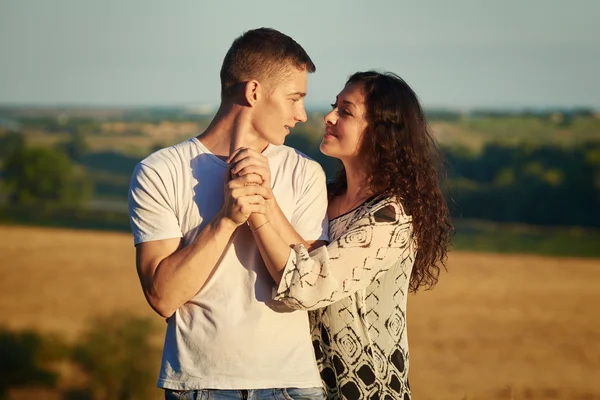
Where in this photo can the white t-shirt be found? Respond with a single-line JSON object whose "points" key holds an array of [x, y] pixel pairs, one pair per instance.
{"points": [[232, 334]]}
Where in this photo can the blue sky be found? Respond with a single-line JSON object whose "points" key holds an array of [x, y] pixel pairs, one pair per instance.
{"points": [[460, 54]]}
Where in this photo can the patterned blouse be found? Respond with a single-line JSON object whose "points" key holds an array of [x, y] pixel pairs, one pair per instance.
{"points": [[357, 287]]}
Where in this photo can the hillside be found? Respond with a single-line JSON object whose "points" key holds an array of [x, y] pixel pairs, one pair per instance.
{"points": [[495, 327]]}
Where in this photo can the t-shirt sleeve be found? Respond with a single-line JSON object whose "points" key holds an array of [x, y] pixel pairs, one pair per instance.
{"points": [[151, 211], [370, 247], [310, 215]]}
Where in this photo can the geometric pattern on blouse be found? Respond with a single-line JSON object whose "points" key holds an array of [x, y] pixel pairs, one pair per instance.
{"points": [[356, 289]]}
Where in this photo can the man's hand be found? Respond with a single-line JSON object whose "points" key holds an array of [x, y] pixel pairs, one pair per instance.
{"points": [[243, 196], [245, 161]]}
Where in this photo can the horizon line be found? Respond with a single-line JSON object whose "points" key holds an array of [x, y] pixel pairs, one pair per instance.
{"points": [[211, 107]]}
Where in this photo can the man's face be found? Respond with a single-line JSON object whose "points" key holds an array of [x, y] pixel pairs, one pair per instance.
{"points": [[282, 107]]}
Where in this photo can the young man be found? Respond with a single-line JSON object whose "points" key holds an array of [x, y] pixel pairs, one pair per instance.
{"points": [[196, 258]]}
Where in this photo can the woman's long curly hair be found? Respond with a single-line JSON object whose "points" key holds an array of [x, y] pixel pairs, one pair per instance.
{"points": [[402, 159]]}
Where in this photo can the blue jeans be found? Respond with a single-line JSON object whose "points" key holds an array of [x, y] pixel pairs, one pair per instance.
{"points": [[253, 394]]}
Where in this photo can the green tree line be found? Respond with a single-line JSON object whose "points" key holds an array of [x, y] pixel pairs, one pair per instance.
{"points": [[537, 184]]}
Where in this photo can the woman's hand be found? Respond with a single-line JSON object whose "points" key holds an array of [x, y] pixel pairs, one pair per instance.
{"points": [[245, 162]]}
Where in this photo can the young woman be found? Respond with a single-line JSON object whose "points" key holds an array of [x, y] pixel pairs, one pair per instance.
{"points": [[389, 234]]}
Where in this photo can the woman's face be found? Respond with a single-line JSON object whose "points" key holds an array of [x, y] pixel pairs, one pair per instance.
{"points": [[345, 124]]}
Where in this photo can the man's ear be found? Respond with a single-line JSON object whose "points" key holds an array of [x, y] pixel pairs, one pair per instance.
{"points": [[252, 92]]}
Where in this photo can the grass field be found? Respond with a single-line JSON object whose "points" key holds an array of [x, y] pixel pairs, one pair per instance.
{"points": [[495, 327]]}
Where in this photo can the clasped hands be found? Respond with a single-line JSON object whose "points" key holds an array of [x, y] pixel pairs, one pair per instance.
{"points": [[247, 191]]}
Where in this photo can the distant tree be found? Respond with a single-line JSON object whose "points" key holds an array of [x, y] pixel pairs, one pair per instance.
{"points": [[537, 184], [117, 356], [24, 358], [10, 142], [594, 159], [76, 147], [43, 176]]}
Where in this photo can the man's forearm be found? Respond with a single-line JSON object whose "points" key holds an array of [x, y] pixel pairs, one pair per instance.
{"points": [[180, 276]]}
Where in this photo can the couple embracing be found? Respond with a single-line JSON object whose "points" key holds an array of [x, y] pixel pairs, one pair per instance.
{"points": [[274, 284]]}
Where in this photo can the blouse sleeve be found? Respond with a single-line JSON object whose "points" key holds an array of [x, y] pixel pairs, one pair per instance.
{"points": [[368, 248]]}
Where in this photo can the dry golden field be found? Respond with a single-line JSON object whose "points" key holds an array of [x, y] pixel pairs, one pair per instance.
{"points": [[495, 327]]}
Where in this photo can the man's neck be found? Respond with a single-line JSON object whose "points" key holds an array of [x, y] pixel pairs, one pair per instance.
{"points": [[230, 130]]}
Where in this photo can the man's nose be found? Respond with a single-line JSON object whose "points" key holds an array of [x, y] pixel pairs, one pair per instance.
{"points": [[301, 114]]}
